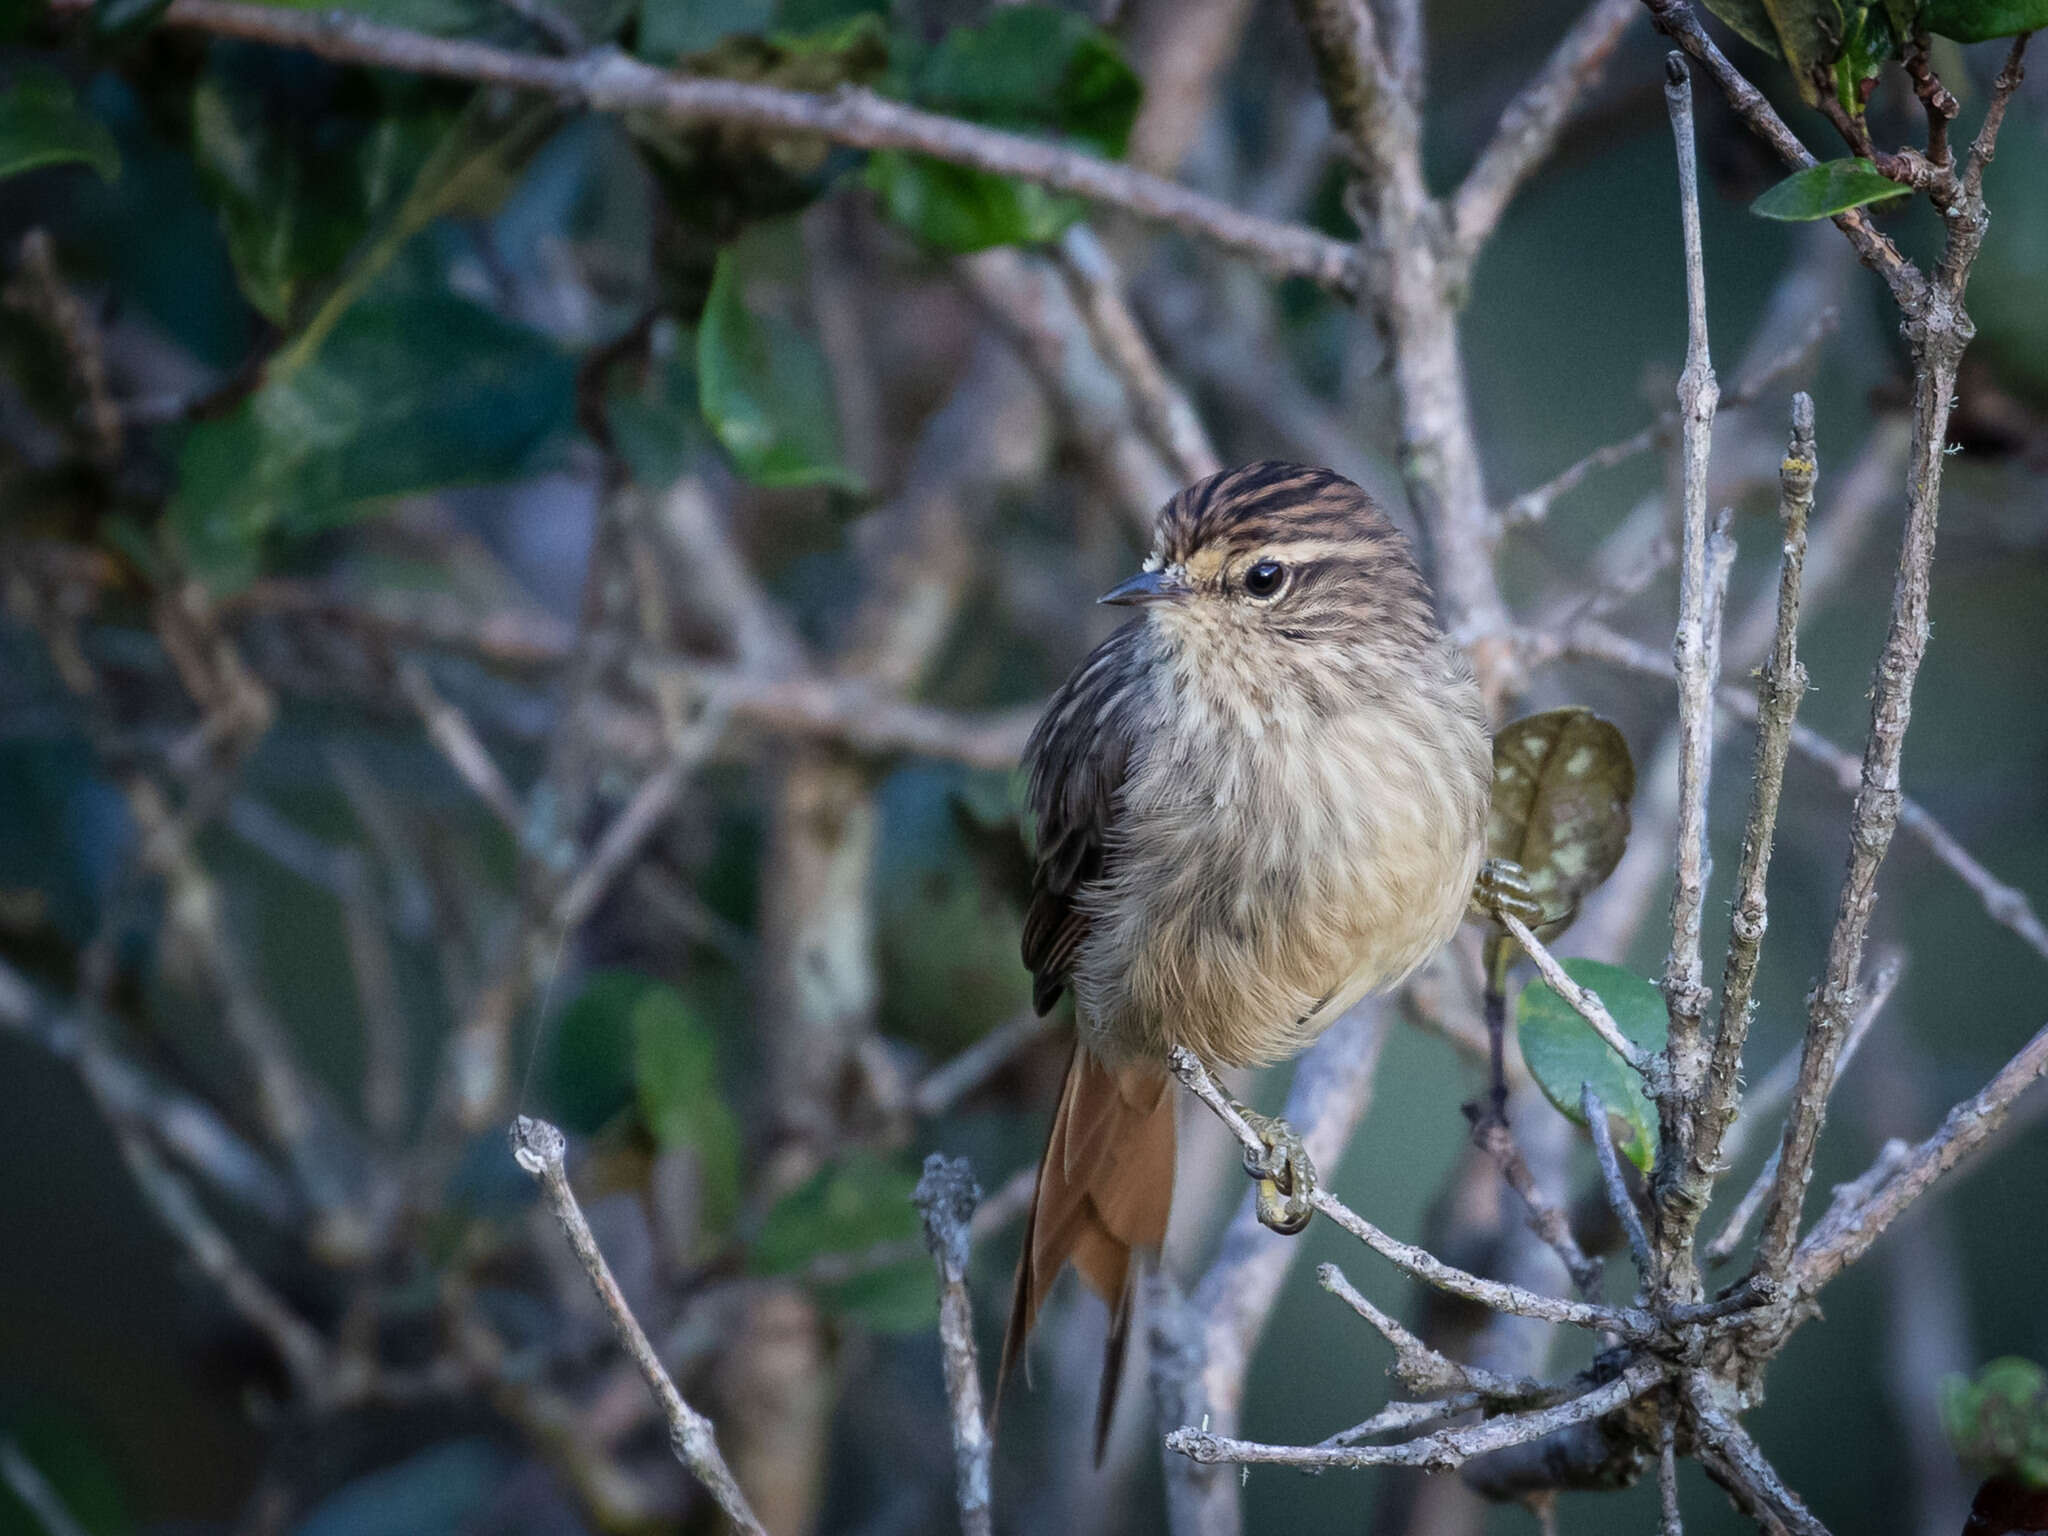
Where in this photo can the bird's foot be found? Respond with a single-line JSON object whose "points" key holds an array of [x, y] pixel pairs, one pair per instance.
{"points": [[1503, 886], [1286, 1177]]}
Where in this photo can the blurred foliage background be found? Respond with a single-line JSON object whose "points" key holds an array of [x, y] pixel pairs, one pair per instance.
{"points": [[419, 402]]}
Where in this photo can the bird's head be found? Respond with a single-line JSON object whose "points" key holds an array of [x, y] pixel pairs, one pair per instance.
{"points": [[1283, 561]]}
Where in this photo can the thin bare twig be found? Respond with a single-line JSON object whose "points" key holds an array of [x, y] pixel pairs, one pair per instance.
{"points": [[1779, 688], [25, 1480], [449, 729], [1667, 1478], [945, 1198], [1547, 1219], [1619, 1200], [944, 1086], [1420, 1263], [1160, 404], [2006, 905], [1438, 1452], [1774, 1090], [1528, 129], [539, 1148], [1696, 662], [1582, 1001], [1845, 1234], [1420, 1368]]}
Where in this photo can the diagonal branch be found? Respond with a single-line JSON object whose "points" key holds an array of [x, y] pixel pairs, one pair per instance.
{"points": [[1423, 1265], [1528, 129], [606, 80], [1843, 1236], [1438, 1452], [538, 1148]]}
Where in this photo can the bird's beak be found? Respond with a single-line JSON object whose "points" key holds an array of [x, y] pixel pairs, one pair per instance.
{"points": [[1145, 587]]}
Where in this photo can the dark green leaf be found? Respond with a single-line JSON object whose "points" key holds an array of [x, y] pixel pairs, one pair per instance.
{"points": [[1751, 21], [443, 17], [1868, 46], [294, 177], [669, 28], [1976, 21], [1998, 1422], [1562, 782], [847, 1210], [590, 1065], [113, 20], [41, 124], [1030, 69], [436, 1493], [856, 1203], [675, 1073], [1821, 191], [765, 390], [1564, 1054], [410, 393], [958, 208]]}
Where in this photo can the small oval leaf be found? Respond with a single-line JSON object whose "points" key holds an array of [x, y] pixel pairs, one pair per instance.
{"points": [[1976, 21], [1563, 1054], [1562, 782], [41, 123], [1824, 190]]}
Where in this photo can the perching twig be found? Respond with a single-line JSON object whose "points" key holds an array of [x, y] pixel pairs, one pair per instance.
{"points": [[1438, 1452], [1420, 1263], [538, 1147], [945, 1198]]}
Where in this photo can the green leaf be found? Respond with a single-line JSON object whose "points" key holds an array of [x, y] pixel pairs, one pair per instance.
{"points": [[765, 390], [1824, 190], [675, 1074], [1031, 69], [1976, 21], [669, 28], [1998, 1422], [411, 392], [848, 1209], [1750, 20], [1564, 1054], [42, 124], [590, 1059], [115, 20], [436, 1493]]}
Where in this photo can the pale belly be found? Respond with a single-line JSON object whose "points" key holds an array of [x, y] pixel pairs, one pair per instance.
{"points": [[1259, 892]]}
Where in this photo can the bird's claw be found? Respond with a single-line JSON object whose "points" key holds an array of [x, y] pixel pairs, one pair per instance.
{"points": [[1503, 886], [1286, 1178]]}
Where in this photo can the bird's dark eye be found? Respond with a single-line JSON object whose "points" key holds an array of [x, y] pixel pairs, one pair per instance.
{"points": [[1264, 578]]}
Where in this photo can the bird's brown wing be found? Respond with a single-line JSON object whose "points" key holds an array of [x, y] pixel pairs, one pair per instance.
{"points": [[1106, 1181], [1078, 755]]}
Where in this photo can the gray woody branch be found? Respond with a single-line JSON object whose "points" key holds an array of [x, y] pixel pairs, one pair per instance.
{"points": [[946, 1196], [538, 1148], [606, 80]]}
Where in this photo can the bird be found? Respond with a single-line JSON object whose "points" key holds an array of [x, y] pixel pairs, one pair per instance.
{"points": [[1260, 799]]}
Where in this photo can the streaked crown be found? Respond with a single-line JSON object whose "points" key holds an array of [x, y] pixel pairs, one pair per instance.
{"points": [[1297, 552]]}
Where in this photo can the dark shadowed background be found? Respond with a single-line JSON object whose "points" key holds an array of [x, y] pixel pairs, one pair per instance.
{"points": [[387, 359]]}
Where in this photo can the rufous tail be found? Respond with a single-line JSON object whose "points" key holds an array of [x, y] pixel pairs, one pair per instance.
{"points": [[1104, 1189]]}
